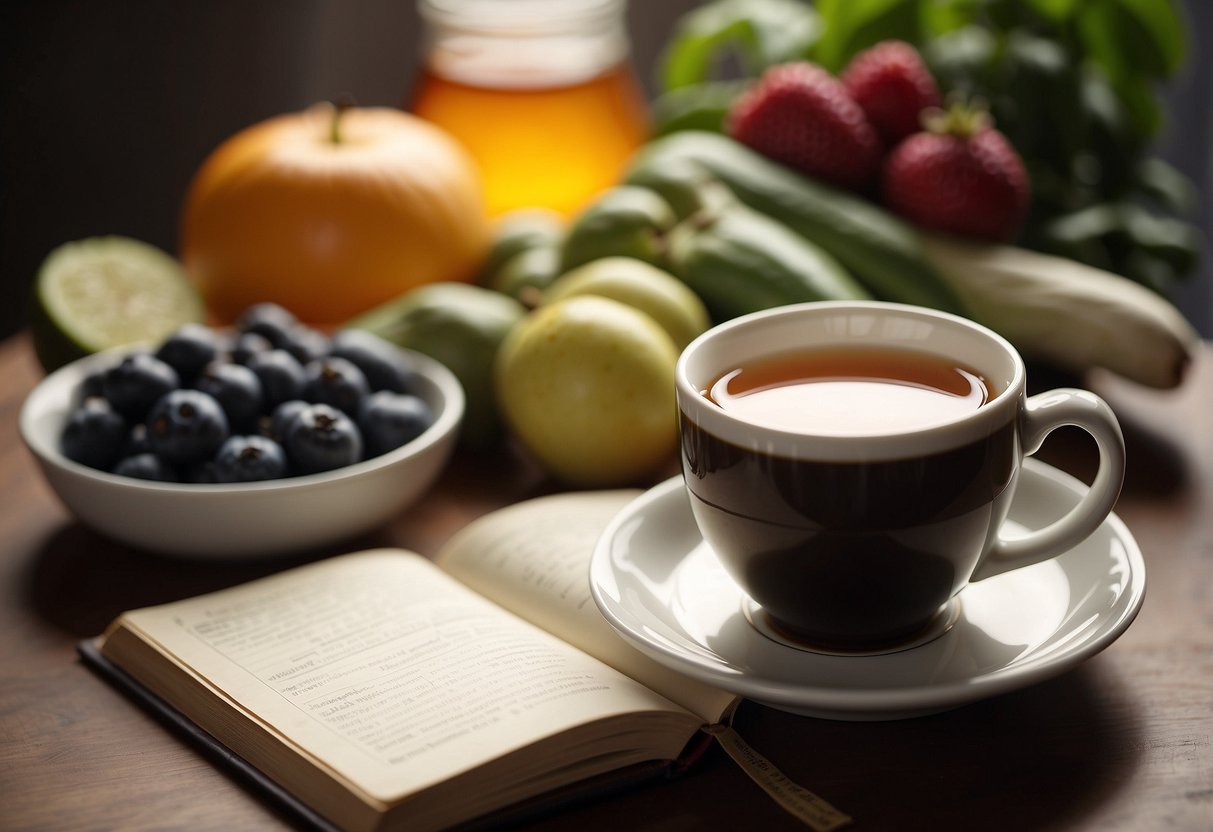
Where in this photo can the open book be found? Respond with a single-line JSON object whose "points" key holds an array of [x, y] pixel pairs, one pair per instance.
{"points": [[386, 691]]}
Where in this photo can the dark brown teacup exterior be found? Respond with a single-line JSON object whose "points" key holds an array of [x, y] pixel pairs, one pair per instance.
{"points": [[858, 542], [850, 555]]}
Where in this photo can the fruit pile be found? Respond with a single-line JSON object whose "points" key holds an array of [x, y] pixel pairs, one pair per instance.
{"points": [[851, 183], [1079, 90], [273, 398], [581, 373], [878, 129]]}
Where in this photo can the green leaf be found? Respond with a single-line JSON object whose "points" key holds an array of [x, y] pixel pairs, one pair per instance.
{"points": [[1144, 109], [852, 25], [759, 33], [1133, 37], [942, 16], [963, 61], [696, 107], [1168, 185], [1056, 11], [784, 30]]}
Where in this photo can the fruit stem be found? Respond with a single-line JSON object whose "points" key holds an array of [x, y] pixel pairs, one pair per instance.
{"points": [[961, 118], [344, 102]]}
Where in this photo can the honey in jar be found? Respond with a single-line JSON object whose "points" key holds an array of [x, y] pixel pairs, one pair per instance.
{"points": [[540, 92]]}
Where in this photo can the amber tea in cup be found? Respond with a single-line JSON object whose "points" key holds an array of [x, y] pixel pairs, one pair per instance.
{"points": [[851, 464], [849, 390]]}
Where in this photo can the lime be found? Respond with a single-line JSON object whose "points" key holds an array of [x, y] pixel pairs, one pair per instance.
{"points": [[102, 292]]}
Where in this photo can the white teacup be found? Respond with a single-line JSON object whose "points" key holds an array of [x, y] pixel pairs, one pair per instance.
{"points": [[854, 526]]}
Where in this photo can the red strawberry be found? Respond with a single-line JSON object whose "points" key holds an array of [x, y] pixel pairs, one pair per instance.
{"points": [[802, 116], [893, 86], [961, 176]]}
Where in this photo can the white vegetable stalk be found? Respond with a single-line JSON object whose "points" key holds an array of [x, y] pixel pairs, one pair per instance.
{"points": [[1066, 313]]}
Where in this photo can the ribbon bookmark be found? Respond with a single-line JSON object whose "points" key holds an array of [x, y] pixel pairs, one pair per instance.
{"points": [[798, 801]]}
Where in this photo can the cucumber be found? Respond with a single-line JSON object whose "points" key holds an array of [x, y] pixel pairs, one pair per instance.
{"points": [[878, 249], [624, 221], [741, 261]]}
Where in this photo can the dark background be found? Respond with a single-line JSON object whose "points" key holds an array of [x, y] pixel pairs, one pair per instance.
{"points": [[108, 107]]}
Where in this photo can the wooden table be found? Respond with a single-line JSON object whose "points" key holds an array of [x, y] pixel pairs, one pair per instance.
{"points": [[1121, 743]]}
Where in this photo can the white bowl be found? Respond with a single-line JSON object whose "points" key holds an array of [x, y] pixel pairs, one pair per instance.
{"points": [[240, 520]]}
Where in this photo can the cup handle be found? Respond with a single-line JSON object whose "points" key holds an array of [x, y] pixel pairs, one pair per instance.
{"points": [[1044, 413]]}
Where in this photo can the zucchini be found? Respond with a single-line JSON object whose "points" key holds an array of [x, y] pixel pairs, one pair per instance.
{"points": [[738, 261], [878, 249], [1068, 314]]}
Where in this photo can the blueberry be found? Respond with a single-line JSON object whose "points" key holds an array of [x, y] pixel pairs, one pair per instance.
{"points": [[336, 382], [186, 427], [136, 382], [306, 344], [238, 391], [145, 466], [321, 438], [91, 386], [282, 417], [200, 473], [94, 435], [281, 377], [269, 320], [389, 420], [189, 350], [248, 344], [385, 365], [249, 459], [137, 441]]}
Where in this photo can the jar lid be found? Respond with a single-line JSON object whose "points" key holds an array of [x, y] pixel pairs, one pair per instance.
{"points": [[520, 17]]}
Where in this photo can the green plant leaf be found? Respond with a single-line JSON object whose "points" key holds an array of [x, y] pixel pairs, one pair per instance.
{"points": [[1133, 37], [852, 25], [759, 33], [942, 16], [1168, 185], [1056, 11], [1144, 108], [696, 106]]}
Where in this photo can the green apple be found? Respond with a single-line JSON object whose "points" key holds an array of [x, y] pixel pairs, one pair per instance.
{"points": [[587, 386], [659, 294]]}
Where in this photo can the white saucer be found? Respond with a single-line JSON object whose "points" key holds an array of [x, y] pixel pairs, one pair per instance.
{"points": [[661, 587]]}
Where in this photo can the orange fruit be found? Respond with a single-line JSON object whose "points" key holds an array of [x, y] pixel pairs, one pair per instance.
{"points": [[331, 212]]}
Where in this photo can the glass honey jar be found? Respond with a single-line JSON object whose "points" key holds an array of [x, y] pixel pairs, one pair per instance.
{"points": [[542, 93]]}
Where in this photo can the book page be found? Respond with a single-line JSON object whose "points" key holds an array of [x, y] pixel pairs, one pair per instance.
{"points": [[533, 558], [387, 671]]}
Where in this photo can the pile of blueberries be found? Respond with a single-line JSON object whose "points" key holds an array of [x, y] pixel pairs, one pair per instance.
{"points": [[273, 398]]}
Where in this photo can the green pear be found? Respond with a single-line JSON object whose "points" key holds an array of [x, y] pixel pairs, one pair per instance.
{"points": [[659, 294], [586, 384]]}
